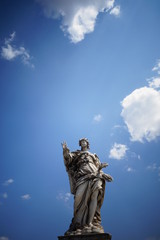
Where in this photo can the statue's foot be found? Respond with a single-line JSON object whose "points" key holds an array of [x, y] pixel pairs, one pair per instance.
{"points": [[97, 229], [87, 229], [67, 233], [78, 232]]}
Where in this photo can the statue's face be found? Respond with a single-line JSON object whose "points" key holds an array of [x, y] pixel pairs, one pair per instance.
{"points": [[83, 144]]}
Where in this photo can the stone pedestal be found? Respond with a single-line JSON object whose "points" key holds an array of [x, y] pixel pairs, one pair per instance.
{"points": [[99, 236]]}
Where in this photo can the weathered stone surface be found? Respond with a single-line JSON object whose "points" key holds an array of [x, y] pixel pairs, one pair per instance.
{"points": [[87, 182], [100, 236]]}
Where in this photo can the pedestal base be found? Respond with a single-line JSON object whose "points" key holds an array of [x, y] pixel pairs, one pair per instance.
{"points": [[99, 236]]}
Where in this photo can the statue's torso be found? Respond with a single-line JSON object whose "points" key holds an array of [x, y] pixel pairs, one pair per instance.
{"points": [[83, 163]]}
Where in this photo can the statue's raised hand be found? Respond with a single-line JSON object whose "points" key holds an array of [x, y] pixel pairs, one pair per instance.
{"points": [[65, 148], [64, 145]]}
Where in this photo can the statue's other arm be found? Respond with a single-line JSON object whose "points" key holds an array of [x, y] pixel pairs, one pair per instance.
{"points": [[98, 163]]}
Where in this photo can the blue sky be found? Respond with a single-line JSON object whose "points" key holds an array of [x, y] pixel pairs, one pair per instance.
{"points": [[73, 69]]}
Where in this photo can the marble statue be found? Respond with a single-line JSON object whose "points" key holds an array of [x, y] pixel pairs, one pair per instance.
{"points": [[87, 183]]}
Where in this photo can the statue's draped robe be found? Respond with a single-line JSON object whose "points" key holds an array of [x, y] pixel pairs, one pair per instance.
{"points": [[85, 178]]}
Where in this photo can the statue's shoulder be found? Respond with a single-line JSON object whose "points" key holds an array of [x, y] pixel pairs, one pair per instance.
{"points": [[76, 152], [94, 155]]}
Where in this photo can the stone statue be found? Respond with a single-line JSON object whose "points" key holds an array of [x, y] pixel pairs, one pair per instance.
{"points": [[87, 183]]}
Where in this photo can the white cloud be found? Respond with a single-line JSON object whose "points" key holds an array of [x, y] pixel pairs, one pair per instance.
{"points": [[154, 82], [115, 11], [152, 167], [97, 118], [10, 52], [129, 169], [157, 67], [78, 17], [118, 151], [64, 196], [11, 38], [141, 114], [8, 182], [139, 157], [117, 126], [4, 238], [26, 197]]}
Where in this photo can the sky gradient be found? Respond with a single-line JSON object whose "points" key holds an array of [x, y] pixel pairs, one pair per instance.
{"points": [[73, 69]]}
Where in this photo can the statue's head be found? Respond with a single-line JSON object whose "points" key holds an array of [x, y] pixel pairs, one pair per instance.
{"points": [[84, 143]]}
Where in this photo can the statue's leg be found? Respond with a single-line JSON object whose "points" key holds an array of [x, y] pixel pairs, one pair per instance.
{"points": [[92, 206], [80, 204]]}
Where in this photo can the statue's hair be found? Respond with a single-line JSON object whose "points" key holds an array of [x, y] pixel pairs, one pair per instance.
{"points": [[85, 139]]}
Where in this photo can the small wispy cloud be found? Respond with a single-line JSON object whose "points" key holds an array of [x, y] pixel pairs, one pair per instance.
{"points": [[117, 126], [154, 168], [139, 157], [5, 195], [26, 197], [10, 52], [64, 196], [4, 238], [8, 182], [157, 66], [118, 151], [97, 118], [129, 169], [134, 155], [116, 11]]}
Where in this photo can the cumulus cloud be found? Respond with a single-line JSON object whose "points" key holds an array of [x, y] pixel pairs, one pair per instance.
{"points": [[78, 17], [64, 196], [97, 118], [115, 11], [141, 114], [26, 197], [141, 110], [154, 82], [10, 52], [8, 182], [118, 151]]}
